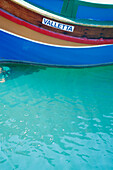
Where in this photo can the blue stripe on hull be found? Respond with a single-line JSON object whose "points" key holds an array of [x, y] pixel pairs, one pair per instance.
{"points": [[93, 13], [13, 48]]}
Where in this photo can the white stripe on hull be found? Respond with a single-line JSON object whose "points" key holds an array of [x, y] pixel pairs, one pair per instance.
{"points": [[107, 2]]}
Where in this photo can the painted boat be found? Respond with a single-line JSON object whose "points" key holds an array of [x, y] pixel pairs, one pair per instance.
{"points": [[66, 33]]}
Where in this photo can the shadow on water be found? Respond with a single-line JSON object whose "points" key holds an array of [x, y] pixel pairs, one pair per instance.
{"points": [[17, 70]]}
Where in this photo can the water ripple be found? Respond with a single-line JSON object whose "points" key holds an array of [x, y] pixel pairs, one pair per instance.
{"points": [[55, 118]]}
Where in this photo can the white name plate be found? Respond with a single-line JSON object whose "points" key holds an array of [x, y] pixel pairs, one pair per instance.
{"points": [[57, 25]]}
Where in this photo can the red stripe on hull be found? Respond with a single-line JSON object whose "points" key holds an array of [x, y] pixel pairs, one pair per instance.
{"points": [[55, 35]]}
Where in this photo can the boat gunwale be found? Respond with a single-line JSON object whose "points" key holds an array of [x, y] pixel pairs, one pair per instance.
{"points": [[53, 34], [57, 17]]}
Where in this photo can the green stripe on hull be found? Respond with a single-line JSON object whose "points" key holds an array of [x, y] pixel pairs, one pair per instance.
{"points": [[90, 4], [69, 8]]}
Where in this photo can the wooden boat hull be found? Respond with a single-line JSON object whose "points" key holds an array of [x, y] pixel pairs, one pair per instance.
{"points": [[90, 31], [25, 38], [14, 48]]}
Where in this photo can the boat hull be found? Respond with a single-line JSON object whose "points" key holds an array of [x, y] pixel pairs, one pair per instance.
{"points": [[32, 35], [53, 23], [14, 48]]}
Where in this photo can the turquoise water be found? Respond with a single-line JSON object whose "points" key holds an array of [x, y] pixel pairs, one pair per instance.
{"points": [[56, 118]]}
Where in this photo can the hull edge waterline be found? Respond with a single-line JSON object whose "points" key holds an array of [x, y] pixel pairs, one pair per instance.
{"points": [[15, 48]]}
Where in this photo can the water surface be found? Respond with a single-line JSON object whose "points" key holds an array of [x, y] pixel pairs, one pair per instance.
{"points": [[56, 118]]}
